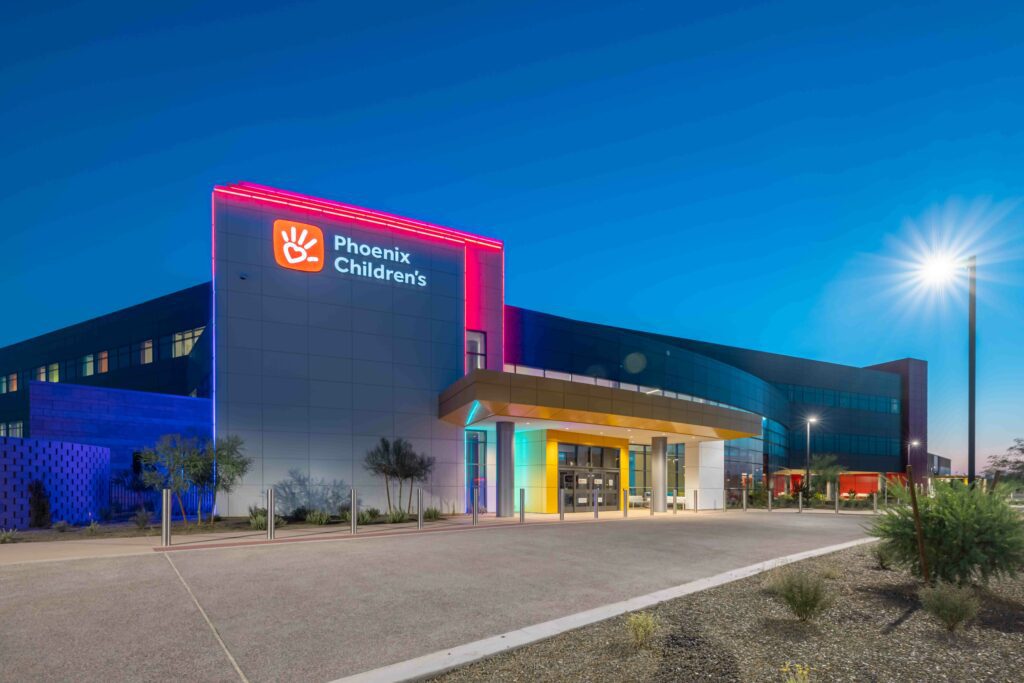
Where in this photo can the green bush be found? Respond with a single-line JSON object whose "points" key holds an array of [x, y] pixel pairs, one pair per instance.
{"points": [[142, 518], [397, 516], [432, 514], [258, 518], [301, 513], [365, 518], [372, 513], [969, 535], [884, 557], [38, 505], [802, 591], [8, 536], [319, 517], [641, 627], [345, 516], [952, 605], [61, 526], [93, 528]]}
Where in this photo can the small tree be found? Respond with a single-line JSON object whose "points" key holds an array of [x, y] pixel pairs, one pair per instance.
{"points": [[968, 535], [165, 466], [380, 461], [1008, 466], [398, 461], [826, 468], [218, 467]]}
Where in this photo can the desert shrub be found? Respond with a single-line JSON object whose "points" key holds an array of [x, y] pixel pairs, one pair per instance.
{"points": [[397, 516], [364, 518], [829, 570], [641, 627], [61, 526], [345, 516], [796, 673], [93, 528], [802, 591], [883, 554], [8, 536], [969, 535], [952, 605], [38, 505], [372, 513], [258, 518], [320, 517], [301, 513], [142, 518], [432, 514]]}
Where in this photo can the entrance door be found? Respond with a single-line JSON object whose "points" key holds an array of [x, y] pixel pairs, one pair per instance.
{"points": [[579, 486]]}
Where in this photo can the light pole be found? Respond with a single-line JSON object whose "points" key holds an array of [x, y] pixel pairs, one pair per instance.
{"points": [[911, 445], [937, 270], [807, 463]]}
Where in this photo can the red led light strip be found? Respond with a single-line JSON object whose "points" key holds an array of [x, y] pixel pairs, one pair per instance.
{"points": [[260, 193]]}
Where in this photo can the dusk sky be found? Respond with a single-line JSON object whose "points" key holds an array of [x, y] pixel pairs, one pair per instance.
{"points": [[760, 175]]}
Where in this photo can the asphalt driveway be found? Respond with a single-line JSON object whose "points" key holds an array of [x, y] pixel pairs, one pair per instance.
{"points": [[319, 611]]}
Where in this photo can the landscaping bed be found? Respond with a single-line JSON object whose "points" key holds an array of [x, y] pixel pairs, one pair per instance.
{"points": [[874, 630]]}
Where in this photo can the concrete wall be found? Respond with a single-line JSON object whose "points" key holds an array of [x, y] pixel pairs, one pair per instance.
{"points": [[122, 421], [75, 476]]}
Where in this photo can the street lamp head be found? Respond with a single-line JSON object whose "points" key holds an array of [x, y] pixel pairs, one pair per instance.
{"points": [[938, 268], [812, 420], [915, 443]]}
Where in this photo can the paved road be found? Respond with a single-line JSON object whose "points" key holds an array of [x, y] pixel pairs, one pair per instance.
{"points": [[318, 611]]}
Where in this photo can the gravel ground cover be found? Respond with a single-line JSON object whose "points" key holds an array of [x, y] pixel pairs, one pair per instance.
{"points": [[873, 631]]}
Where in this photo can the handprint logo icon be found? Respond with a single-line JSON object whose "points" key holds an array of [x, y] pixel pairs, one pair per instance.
{"points": [[298, 246]]}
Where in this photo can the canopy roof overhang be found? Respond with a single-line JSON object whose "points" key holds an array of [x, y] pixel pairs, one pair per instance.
{"points": [[483, 396]]}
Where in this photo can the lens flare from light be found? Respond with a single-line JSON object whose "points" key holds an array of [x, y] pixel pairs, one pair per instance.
{"points": [[939, 268]]}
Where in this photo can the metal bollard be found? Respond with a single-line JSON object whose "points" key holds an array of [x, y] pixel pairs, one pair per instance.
{"points": [[695, 506], [561, 505], [476, 511], [165, 518], [770, 500], [353, 509], [744, 500], [595, 504], [837, 502], [651, 505], [874, 502], [522, 506], [675, 501], [271, 527], [800, 501], [625, 502], [419, 508]]}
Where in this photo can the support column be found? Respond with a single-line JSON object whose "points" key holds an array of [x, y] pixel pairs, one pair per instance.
{"points": [[506, 469], [659, 473], [705, 472]]}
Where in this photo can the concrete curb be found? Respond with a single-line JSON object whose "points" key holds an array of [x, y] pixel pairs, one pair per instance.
{"points": [[445, 660]]}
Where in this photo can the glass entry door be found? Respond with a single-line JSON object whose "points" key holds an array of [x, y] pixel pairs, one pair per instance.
{"points": [[579, 486]]}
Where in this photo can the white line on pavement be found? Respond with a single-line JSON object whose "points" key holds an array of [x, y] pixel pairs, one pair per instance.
{"points": [[445, 660]]}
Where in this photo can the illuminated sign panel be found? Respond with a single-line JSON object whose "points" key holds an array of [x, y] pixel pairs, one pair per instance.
{"points": [[298, 246]]}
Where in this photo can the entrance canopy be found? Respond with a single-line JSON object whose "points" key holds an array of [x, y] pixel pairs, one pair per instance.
{"points": [[483, 395]]}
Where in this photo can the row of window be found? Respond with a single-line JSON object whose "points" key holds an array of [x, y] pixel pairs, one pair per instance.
{"points": [[841, 399], [601, 382], [823, 442], [640, 466], [573, 455], [140, 353], [15, 429]]}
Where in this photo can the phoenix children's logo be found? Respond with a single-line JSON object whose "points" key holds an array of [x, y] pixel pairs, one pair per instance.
{"points": [[298, 246]]}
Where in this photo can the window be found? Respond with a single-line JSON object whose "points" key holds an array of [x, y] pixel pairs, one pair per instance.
{"points": [[3, 384], [102, 362], [88, 366], [40, 373], [13, 429], [142, 353], [476, 350], [184, 341], [12, 382], [53, 372]]}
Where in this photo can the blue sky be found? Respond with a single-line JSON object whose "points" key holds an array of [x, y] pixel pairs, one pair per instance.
{"points": [[750, 174]]}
